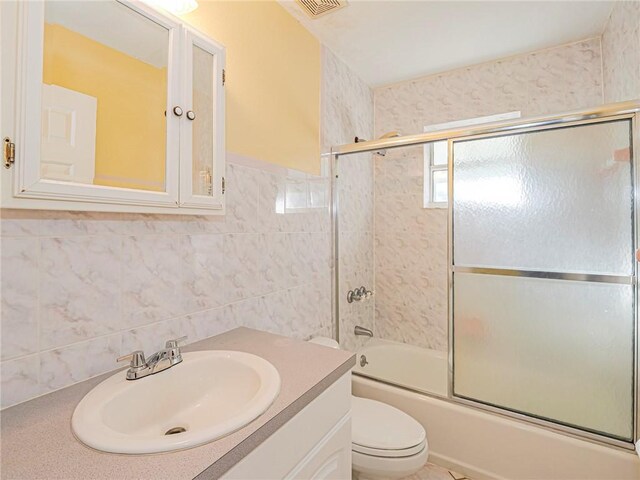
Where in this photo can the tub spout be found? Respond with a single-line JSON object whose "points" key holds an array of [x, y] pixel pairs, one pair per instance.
{"points": [[362, 331]]}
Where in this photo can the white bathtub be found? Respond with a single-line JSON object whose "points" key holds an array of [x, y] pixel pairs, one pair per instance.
{"points": [[412, 367], [480, 444]]}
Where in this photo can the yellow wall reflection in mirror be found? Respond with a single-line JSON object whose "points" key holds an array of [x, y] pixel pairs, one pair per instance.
{"points": [[131, 94]]}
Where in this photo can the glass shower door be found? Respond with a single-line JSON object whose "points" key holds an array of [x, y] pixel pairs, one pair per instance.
{"points": [[543, 314]]}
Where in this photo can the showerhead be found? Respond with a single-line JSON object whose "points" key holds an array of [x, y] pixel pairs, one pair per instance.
{"points": [[391, 134]]}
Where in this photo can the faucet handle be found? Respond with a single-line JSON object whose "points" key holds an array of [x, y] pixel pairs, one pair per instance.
{"points": [[174, 343], [137, 359]]}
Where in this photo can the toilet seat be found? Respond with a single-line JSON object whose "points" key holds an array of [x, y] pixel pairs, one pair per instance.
{"points": [[381, 430], [376, 452]]}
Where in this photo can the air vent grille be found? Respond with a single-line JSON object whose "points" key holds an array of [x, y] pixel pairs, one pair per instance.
{"points": [[317, 8]]}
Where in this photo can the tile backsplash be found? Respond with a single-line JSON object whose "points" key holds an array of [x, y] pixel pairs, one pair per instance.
{"points": [[80, 289]]}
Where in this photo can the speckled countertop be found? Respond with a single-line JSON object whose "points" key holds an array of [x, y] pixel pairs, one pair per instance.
{"points": [[37, 442]]}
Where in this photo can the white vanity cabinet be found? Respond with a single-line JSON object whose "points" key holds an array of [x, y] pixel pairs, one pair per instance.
{"points": [[110, 106], [314, 444]]}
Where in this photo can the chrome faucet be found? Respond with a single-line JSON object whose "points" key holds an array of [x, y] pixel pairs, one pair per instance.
{"points": [[362, 331], [169, 356], [358, 294]]}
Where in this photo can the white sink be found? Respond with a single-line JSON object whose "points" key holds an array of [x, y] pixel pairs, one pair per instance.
{"points": [[209, 394]]}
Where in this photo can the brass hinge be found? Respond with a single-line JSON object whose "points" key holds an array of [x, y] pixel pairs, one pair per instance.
{"points": [[224, 76], [9, 152], [223, 186]]}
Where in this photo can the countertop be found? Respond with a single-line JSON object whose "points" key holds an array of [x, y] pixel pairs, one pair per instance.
{"points": [[37, 442]]}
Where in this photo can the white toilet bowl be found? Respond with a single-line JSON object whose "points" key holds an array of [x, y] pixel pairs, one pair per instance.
{"points": [[386, 443]]}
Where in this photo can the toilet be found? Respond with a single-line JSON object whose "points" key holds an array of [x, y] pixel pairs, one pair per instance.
{"points": [[386, 443]]}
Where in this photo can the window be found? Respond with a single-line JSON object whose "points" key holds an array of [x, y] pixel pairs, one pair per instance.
{"points": [[436, 159]]}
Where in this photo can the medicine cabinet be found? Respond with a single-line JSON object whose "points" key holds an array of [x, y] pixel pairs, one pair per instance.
{"points": [[114, 106]]}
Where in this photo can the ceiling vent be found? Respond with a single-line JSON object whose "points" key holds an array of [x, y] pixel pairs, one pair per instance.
{"points": [[318, 8]]}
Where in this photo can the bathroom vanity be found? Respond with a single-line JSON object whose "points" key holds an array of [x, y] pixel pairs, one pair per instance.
{"points": [[305, 433]]}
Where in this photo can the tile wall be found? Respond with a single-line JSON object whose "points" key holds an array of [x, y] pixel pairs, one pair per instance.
{"points": [[80, 289], [621, 53], [347, 112], [411, 241]]}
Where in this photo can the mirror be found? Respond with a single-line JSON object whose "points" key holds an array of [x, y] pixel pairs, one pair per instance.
{"points": [[104, 96], [203, 104]]}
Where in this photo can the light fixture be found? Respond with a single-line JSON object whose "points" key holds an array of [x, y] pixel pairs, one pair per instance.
{"points": [[177, 7]]}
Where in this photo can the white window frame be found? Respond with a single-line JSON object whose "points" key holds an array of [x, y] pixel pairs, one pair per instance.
{"points": [[430, 167]]}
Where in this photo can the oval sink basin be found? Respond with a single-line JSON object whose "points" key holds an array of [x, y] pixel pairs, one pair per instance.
{"points": [[206, 396]]}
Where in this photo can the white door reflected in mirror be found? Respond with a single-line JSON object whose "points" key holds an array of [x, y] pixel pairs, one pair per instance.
{"points": [[68, 135]]}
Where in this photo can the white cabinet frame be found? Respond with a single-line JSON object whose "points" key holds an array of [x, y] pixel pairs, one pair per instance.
{"points": [[192, 38]]}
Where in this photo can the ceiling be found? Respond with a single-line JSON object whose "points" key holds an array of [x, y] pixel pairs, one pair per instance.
{"points": [[393, 40], [114, 25]]}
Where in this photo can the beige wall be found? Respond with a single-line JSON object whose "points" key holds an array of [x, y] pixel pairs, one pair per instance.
{"points": [[273, 81], [411, 241]]}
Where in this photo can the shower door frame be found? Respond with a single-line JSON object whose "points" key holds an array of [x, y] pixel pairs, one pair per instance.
{"points": [[601, 278], [615, 111]]}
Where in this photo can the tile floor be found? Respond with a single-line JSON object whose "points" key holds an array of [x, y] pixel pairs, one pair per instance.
{"points": [[434, 472]]}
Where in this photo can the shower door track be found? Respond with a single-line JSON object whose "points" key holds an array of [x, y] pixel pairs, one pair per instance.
{"points": [[614, 111]]}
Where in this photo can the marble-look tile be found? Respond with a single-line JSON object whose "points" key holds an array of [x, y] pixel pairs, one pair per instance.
{"points": [[279, 314], [347, 112], [78, 362], [309, 310], [578, 66], [347, 104], [79, 289], [243, 265], [20, 223], [134, 224], [552, 80], [151, 267], [62, 224], [621, 53], [282, 267], [203, 272], [355, 191], [250, 313], [19, 380], [19, 292], [151, 338], [200, 325], [242, 201]]}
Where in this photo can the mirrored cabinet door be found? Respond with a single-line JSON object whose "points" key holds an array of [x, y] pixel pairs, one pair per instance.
{"points": [[202, 135], [100, 86]]}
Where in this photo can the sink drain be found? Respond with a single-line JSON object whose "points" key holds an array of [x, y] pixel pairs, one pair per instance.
{"points": [[175, 430]]}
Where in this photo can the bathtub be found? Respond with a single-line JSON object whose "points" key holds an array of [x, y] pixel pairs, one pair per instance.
{"points": [[405, 365], [479, 444]]}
